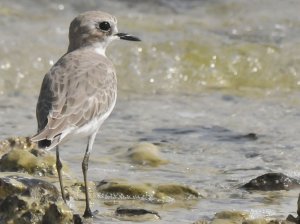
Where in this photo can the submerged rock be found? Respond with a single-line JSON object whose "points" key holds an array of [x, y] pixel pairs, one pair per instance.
{"points": [[146, 154], [23, 156], [162, 193], [136, 214], [272, 182]]}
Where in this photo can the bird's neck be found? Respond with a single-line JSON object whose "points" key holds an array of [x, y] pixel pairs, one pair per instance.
{"points": [[98, 47]]}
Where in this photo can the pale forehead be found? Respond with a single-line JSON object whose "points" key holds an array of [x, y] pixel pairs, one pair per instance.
{"points": [[95, 16]]}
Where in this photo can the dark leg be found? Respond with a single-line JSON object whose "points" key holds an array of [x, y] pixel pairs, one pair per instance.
{"points": [[85, 165], [58, 168]]}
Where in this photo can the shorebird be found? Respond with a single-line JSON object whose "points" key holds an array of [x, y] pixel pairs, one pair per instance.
{"points": [[79, 92]]}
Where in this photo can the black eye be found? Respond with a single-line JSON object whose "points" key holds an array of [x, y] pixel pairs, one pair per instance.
{"points": [[104, 26]]}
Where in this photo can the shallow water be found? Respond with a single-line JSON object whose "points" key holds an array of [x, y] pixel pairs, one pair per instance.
{"points": [[206, 74]]}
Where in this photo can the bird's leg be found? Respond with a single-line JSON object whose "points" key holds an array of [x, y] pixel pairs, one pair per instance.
{"points": [[58, 168], [87, 212], [85, 164]]}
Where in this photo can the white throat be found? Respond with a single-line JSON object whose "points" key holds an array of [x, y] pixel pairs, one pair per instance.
{"points": [[100, 48]]}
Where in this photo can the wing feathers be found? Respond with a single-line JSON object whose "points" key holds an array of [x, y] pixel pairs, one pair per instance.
{"points": [[71, 95]]}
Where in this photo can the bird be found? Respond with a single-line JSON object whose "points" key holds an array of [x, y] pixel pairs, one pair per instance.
{"points": [[79, 91]]}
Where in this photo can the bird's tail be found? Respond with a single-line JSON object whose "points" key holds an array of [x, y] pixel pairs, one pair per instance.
{"points": [[44, 142]]}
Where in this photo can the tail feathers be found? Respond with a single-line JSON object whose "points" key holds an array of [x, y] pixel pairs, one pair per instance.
{"points": [[45, 143]]}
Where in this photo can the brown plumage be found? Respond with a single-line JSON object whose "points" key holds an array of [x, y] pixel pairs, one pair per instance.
{"points": [[80, 90]]}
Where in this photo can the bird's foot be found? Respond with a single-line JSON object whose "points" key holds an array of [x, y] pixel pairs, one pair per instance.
{"points": [[89, 214]]}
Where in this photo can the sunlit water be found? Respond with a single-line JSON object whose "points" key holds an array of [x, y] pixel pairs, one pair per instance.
{"points": [[206, 74]]}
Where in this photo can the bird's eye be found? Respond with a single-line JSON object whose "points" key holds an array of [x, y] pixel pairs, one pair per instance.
{"points": [[104, 26]]}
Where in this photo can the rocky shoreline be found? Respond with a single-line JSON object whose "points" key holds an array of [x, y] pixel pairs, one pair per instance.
{"points": [[28, 192]]}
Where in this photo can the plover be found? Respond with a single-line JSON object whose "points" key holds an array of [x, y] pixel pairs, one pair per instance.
{"points": [[79, 92]]}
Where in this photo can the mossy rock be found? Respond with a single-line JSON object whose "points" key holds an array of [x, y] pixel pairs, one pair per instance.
{"points": [[124, 189], [16, 143], [162, 193], [24, 199], [146, 154], [177, 191], [24, 156], [12, 184], [233, 215]]}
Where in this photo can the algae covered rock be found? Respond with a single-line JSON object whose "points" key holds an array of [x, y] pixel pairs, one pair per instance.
{"points": [[146, 154], [24, 156], [233, 215], [158, 193], [15, 143], [121, 189], [27, 186], [177, 191], [272, 182], [24, 199], [58, 214]]}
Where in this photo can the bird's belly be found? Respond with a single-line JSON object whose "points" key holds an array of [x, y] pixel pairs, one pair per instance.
{"points": [[93, 125]]}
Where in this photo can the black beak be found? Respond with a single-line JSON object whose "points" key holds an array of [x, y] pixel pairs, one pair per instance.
{"points": [[125, 36]]}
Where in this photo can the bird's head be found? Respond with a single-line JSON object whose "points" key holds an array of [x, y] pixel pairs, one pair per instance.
{"points": [[96, 29]]}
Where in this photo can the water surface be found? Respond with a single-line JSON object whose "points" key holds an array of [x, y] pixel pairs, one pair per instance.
{"points": [[206, 74]]}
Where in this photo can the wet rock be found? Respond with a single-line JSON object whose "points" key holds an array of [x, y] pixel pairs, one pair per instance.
{"points": [[163, 193], [55, 214], [146, 154], [232, 215], [257, 221], [201, 222], [239, 217], [24, 199], [136, 214], [177, 191], [77, 192], [121, 189], [15, 143], [24, 156], [272, 182], [249, 136], [26, 186], [293, 219]]}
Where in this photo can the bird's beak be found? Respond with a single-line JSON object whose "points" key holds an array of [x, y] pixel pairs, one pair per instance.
{"points": [[125, 36]]}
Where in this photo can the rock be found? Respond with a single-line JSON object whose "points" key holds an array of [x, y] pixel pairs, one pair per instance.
{"points": [[26, 186], [136, 214], [256, 221], [232, 215], [15, 143], [121, 189], [163, 193], [272, 182], [293, 219], [24, 199], [146, 154], [23, 156], [55, 214], [201, 222], [177, 191]]}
